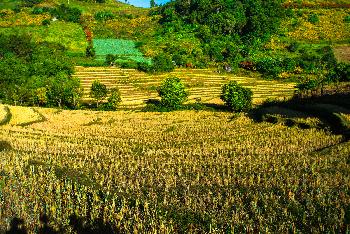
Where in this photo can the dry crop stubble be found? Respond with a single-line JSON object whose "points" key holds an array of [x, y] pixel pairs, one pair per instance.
{"points": [[193, 171]]}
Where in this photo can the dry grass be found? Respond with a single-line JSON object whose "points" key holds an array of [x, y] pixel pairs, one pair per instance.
{"points": [[173, 172]]}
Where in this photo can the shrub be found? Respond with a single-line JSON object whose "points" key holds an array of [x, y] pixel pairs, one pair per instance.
{"points": [[104, 15], [110, 59], [46, 22], [293, 47], [347, 19], [163, 62], [341, 72], [114, 99], [314, 18], [172, 93], [90, 51], [236, 97], [69, 14], [98, 91], [145, 67]]}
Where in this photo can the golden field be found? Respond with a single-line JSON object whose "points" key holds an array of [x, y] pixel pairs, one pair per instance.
{"points": [[185, 171]]}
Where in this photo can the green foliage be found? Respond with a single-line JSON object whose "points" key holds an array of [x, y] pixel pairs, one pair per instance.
{"points": [[46, 22], [70, 35], [308, 85], [236, 97], [340, 73], [172, 93], [347, 19], [42, 75], [90, 51], [66, 13], [162, 62], [222, 28], [314, 18], [98, 91], [275, 66], [114, 99], [104, 15], [30, 3]]}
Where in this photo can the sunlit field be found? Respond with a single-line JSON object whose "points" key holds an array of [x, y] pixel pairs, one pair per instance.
{"points": [[185, 171], [202, 84]]}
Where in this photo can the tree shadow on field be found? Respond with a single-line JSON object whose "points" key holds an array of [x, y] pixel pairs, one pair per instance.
{"points": [[154, 105], [329, 109], [80, 225], [5, 146]]}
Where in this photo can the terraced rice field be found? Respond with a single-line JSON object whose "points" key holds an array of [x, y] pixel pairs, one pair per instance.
{"points": [[204, 84]]}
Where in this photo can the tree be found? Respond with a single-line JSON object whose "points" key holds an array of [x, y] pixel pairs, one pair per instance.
{"points": [[98, 91], [163, 62], [172, 93], [236, 97], [90, 51], [114, 99], [153, 3]]}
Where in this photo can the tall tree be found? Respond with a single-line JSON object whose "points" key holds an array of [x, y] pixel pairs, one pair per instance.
{"points": [[153, 3]]}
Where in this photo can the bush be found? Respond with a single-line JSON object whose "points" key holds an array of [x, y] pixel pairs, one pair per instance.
{"points": [[114, 99], [236, 97], [314, 18], [293, 47], [69, 14], [104, 15], [110, 59], [46, 22], [347, 19], [172, 93], [340, 73], [90, 51], [98, 91], [163, 62]]}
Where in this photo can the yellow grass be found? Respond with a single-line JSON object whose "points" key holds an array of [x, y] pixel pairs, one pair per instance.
{"points": [[186, 171]]}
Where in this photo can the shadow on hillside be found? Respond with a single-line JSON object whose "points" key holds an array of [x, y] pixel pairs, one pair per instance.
{"points": [[78, 224], [154, 105], [4, 145], [328, 108]]}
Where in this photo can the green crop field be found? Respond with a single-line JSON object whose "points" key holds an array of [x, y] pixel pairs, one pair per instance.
{"points": [[179, 172], [124, 49]]}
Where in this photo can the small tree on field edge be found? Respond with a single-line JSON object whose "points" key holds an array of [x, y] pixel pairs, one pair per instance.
{"points": [[114, 99], [98, 91], [172, 93], [236, 97]]}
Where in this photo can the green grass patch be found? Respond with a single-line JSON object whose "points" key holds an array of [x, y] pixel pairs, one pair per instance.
{"points": [[70, 35], [9, 4]]}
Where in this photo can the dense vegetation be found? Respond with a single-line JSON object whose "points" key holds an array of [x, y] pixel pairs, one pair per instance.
{"points": [[36, 73], [226, 31]]}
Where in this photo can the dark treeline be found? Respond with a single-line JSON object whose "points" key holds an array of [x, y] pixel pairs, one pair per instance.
{"points": [[36, 73]]}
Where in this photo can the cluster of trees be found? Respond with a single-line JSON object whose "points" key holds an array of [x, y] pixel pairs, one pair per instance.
{"points": [[173, 94], [227, 30], [36, 73], [99, 92]]}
